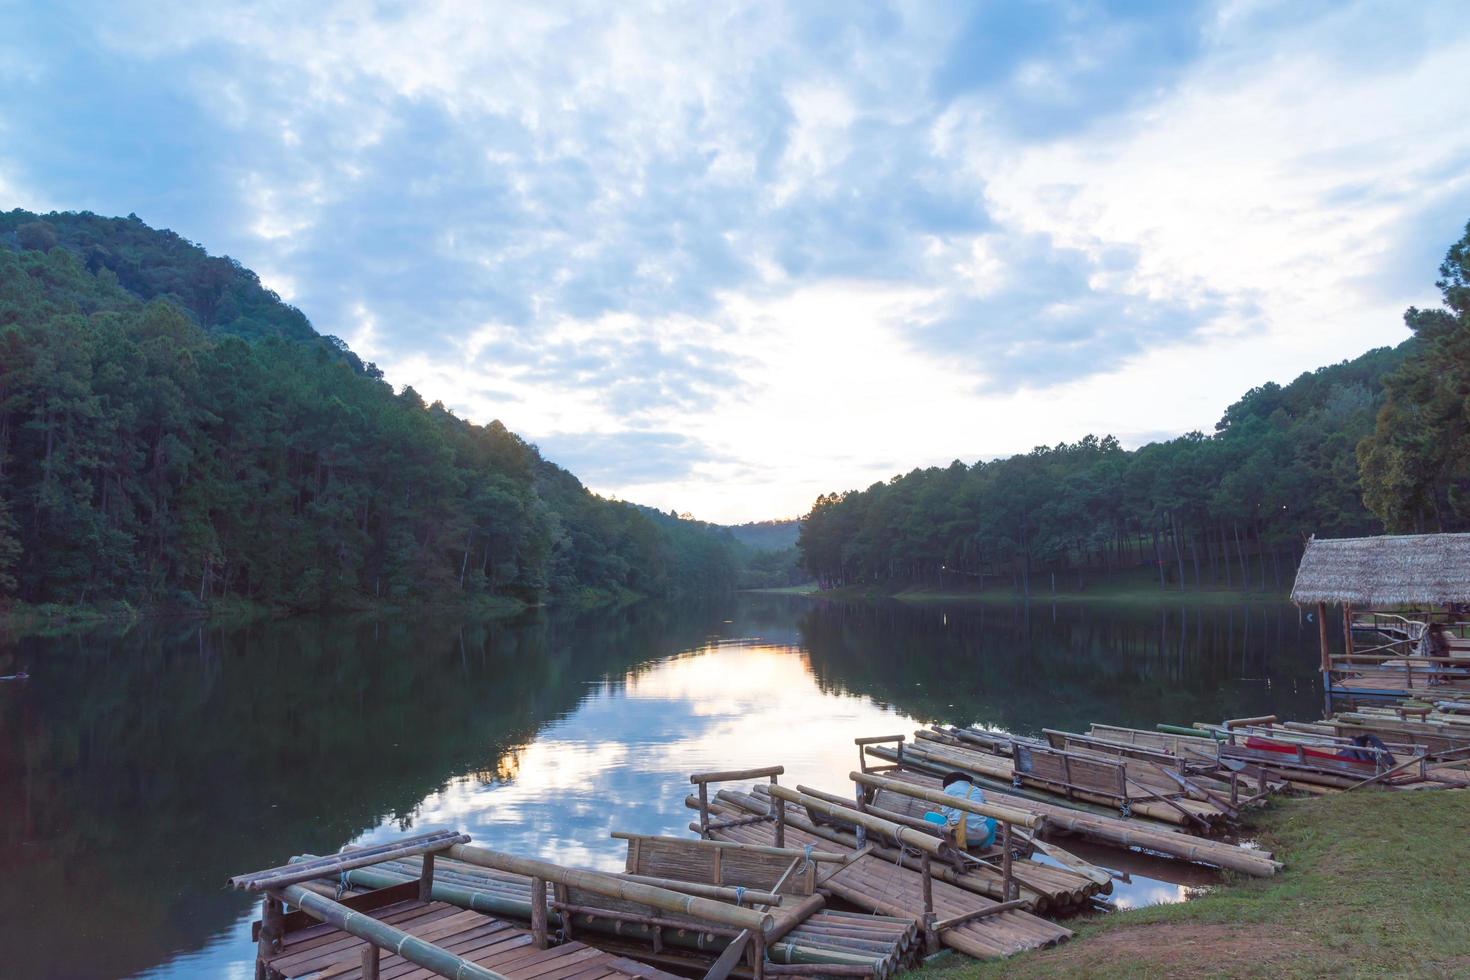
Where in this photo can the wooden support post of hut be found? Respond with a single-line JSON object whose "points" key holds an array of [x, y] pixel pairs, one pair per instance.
{"points": [[1392, 590]]}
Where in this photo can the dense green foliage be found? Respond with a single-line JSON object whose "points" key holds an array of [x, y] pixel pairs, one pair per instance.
{"points": [[171, 432], [1226, 510], [1382, 440], [1416, 464], [771, 561], [219, 294]]}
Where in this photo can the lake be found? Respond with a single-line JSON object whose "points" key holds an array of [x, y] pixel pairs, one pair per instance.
{"points": [[138, 771]]}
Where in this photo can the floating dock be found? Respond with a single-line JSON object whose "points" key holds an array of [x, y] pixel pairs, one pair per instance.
{"points": [[851, 881]]}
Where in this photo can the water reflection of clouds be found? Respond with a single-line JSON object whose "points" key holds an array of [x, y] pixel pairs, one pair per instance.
{"points": [[620, 761], [1140, 894]]}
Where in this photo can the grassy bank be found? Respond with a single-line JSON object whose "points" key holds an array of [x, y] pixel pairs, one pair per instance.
{"points": [[1375, 885]]}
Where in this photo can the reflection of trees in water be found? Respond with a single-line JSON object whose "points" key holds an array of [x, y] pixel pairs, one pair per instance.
{"points": [[138, 771], [1064, 666]]}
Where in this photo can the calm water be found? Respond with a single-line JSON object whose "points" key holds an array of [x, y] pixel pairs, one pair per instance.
{"points": [[137, 772]]}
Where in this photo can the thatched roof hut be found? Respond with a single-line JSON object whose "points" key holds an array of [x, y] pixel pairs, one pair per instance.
{"points": [[1386, 571]]}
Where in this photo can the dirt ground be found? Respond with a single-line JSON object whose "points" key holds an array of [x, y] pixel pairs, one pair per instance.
{"points": [[1183, 950]]}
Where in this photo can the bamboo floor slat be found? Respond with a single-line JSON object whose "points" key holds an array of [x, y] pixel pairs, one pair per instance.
{"points": [[890, 889], [324, 952]]}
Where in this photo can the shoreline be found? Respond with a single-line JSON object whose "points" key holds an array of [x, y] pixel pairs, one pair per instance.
{"points": [[23, 620], [1113, 596]]}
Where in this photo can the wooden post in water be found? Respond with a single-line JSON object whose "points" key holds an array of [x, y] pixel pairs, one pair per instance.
{"points": [[271, 928], [426, 879], [538, 912], [931, 935], [704, 810], [1006, 882]]}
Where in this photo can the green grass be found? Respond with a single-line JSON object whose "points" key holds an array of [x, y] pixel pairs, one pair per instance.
{"points": [[1376, 883]]}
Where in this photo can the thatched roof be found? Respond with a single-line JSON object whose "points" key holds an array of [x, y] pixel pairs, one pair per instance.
{"points": [[1391, 570]]}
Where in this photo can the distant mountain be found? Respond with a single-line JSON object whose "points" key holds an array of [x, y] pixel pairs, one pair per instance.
{"points": [[767, 535]]}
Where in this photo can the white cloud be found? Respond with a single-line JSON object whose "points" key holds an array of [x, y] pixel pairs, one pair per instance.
{"points": [[807, 247]]}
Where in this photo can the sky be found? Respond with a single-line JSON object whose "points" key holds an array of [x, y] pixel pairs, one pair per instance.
{"points": [[721, 258]]}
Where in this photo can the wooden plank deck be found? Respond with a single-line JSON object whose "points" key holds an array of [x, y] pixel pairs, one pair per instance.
{"points": [[1394, 681], [881, 886], [322, 951]]}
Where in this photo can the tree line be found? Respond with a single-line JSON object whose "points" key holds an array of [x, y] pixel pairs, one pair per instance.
{"points": [[172, 433], [1378, 442]]}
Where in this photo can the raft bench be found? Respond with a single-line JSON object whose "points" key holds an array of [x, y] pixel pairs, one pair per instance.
{"points": [[703, 780], [759, 872]]}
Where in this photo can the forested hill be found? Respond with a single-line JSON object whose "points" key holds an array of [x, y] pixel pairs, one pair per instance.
{"points": [[767, 535], [172, 433], [1227, 510]]}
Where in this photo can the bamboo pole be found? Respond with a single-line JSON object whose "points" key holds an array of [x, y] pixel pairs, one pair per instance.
{"points": [[733, 775], [1003, 814], [365, 927], [821, 857], [610, 886], [479, 897], [904, 835], [720, 893], [1417, 760], [360, 857]]}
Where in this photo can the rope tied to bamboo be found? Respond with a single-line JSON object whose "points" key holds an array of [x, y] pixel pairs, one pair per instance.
{"points": [[342, 883], [903, 851], [739, 894]]}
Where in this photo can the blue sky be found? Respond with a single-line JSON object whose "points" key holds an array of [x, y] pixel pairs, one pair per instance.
{"points": [[722, 258]]}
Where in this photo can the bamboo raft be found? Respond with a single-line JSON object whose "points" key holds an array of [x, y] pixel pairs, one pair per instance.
{"points": [[875, 883], [925, 761], [825, 937], [803, 882], [1044, 889], [495, 947]]}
